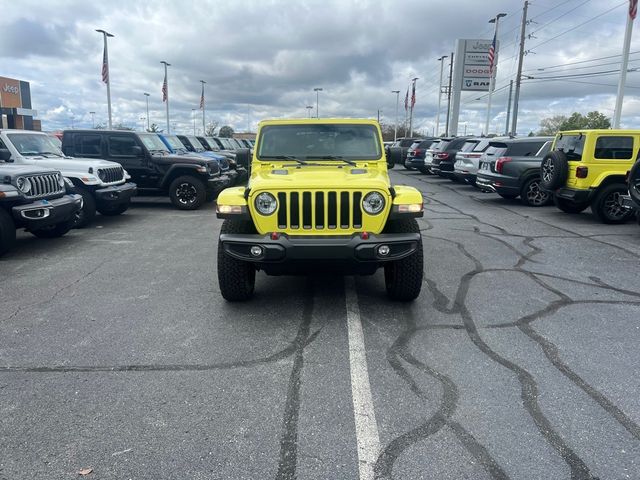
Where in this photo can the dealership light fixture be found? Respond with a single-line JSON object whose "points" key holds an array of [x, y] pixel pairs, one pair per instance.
{"points": [[317, 90]]}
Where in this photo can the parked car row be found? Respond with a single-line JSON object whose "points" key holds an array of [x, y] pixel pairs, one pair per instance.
{"points": [[48, 188], [573, 170]]}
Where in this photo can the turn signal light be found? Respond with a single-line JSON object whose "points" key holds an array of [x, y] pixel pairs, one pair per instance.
{"points": [[582, 172], [500, 163], [410, 208], [237, 209]]}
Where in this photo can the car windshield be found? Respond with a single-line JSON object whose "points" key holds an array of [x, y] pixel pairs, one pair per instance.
{"points": [[212, 143], [496, 150], [406, 142], [325, 141], [468, 146], [481, 146], [227, 144], [153, 142], [571, 145], [174, 142], [196, 143], [34, 144], [442, 145]]}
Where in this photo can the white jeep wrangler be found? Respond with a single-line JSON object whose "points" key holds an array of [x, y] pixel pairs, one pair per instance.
{"points": [[102, 184]]}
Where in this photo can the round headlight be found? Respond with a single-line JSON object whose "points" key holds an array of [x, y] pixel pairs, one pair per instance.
{"points": [[61, 181], [23, 184], [266, 203], [373, 203]]}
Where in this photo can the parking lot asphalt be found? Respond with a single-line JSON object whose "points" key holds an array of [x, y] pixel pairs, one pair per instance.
{"points": [[519, 359]]}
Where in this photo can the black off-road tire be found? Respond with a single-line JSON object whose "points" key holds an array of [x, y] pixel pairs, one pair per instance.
{"points": [[88, 211], [634, 183], [554, 170], [113, 210], [568, 206], [532, 195], [7, 232], [403, 278], [187, 192], [606, 205], [57, 230], [236, 278]]}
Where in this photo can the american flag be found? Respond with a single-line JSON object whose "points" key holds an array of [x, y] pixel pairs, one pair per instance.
{"points": [[413, 94], [492, 54], [202, 98], [406, 100], [105, 66], [164, 88], [633, 9]]}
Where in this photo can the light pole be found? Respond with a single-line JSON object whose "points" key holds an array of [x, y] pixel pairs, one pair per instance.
{"points": [[309, 108], [395, 129], [143, 119], [147, 97], [492, 64], [106, 78], [165, 92], [317, 90], [441, 60], [413, 96], [193, 117], [93, 119], [202, 105]]}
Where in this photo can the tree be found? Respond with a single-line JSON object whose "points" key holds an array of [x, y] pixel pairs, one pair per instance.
{"points": [[226, 132], [211, 129], [122, 126], [154, 128], [576, 121], [549, 126], [596, 119]]}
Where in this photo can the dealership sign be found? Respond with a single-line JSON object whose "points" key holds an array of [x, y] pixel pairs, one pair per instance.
{"points": [[10, 93], [475, 69]]}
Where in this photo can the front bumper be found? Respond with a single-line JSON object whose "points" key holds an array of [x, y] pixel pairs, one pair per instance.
{"points": [[44, 213], [117, 194], [627, 202], [218, 183], [344, 249]]}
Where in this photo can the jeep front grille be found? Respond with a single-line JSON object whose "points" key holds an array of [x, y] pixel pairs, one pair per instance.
{"points": [[111, 174], [333, 210], [45, 185]]}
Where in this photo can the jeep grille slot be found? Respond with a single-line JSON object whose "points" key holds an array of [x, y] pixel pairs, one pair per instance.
{"points": [[357, 210], [44, 185], [344, 210], [282, 211], [111, 174], [319, 210], [294, 211], [332, 212], [306, 210]]}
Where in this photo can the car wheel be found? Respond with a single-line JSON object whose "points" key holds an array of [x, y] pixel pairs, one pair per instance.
{"points": [[567, 206], [508, 196], [554, 170], [532, 195], [236, 278], [187, 193], [7, 232], [88, 211], [634, 183], [112, 210], [403, 278], [606, 205], [57, 230]]}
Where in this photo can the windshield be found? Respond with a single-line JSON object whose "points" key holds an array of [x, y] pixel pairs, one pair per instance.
{"points": [[195, 143], [226, 144], [174, 142], [320, 141], [153, 142], [496, 150], [468, 146], [481, 146], [571, 145], [442, 145], [34, 144], [212, 144]]}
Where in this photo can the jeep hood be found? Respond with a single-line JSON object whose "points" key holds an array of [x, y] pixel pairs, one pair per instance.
{"points": [[320, 177], [9, 169], [187, 158]]}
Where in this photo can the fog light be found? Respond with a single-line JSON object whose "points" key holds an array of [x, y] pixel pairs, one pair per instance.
{"points": [[256, 251], [383, 250]]}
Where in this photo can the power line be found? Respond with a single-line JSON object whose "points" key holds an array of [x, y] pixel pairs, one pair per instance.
{"points": [[559, 17], [581, 61], [550, 10], [579, 81], [587, 74]]}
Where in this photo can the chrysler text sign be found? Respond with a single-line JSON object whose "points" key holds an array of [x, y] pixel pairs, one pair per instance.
{"points": [[475, 69]]}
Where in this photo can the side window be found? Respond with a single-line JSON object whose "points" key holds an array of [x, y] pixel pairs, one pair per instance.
{"points": [[524, 149], [121, 146], [616, 148], [2, 145], [87, 146]]}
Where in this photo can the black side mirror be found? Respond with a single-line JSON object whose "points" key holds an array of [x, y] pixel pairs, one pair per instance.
{"points": [[136, 150], [5, 155], [243, 157], [394, 156]]}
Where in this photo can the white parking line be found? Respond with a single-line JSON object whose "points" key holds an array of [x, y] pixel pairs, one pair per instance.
{"points": [[365, 417]]}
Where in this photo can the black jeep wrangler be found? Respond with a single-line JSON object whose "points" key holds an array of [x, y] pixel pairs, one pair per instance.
{"points": [[188, 180], [36, 199]]}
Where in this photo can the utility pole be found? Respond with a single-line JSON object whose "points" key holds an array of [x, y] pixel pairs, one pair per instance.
{"points": [[413, 101], [317, 90], [493, 65], [309, 108], [395, 129], [506, 128], [193, 117], [516, 98], [147, 96], [437, 131], [631, 15], [449, 94], [93, 119]]}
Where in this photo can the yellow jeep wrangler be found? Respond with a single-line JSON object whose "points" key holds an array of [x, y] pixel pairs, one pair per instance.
{"points": [[319, 199], [587, 168]]}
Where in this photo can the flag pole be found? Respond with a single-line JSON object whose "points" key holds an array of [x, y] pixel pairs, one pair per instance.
{"points": [[493, 69], [617, 113], [105, 70], [202, 106], [165, 92]]}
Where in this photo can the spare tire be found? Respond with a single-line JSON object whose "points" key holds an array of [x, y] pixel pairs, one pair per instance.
{"points": [[634, 183], [554, 170]]}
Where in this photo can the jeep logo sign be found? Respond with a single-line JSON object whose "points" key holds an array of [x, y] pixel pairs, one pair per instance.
{"points": [[10, 93], [10, 89]]}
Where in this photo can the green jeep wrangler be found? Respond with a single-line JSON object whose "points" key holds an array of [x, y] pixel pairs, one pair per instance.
{"points": [[588, 168], [319, 199]]}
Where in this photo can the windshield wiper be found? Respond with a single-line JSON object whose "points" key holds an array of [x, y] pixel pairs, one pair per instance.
{"points": [[285, 157], [336, 157]]}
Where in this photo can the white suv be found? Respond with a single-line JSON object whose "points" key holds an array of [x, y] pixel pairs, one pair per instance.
{"points": [[102, 184]]}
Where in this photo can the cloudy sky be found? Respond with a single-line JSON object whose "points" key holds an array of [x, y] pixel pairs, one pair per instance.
{"points": [[262, 59]]}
